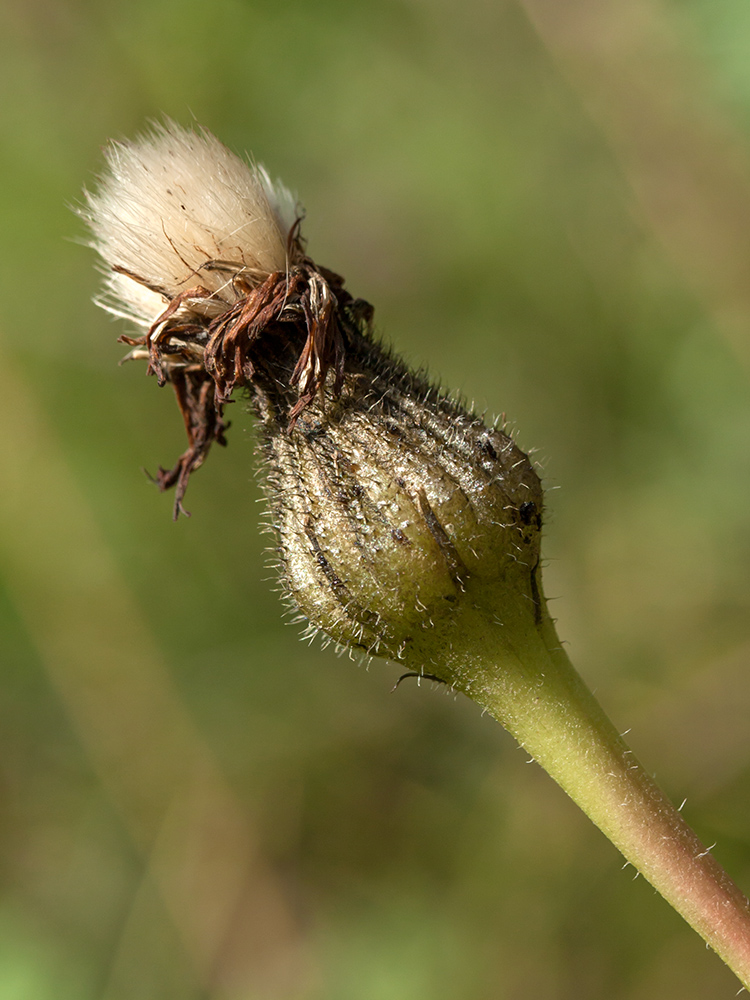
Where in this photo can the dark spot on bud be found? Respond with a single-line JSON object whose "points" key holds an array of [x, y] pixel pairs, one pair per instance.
{"points": [[488, 449], [527, 511], [398, 536]]}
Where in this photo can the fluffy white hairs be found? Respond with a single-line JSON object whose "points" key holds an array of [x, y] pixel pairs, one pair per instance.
{"points": [[175, 209]]}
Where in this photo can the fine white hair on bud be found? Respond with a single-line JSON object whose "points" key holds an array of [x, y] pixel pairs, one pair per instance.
{"points": [[175, 208]]}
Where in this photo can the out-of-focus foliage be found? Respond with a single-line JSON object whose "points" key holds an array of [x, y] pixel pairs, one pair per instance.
{"points": [[549, 205]]}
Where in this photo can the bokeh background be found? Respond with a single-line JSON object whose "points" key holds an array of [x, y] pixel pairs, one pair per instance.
{"points": [[549, 205]]}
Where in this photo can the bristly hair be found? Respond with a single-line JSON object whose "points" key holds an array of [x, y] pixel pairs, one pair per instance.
{"points": [[203, 252]]}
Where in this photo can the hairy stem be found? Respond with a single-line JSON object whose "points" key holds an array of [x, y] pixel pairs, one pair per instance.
{"points": [[512, 665]]}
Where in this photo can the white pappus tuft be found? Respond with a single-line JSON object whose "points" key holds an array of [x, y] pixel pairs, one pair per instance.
{"points": [[203, 252], [173, 207]]}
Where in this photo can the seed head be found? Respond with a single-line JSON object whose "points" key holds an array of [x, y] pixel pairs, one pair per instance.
{"points": [[392, 503]]}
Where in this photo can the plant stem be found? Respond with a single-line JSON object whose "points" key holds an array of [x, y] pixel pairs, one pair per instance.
{"points": [[515, 668]]}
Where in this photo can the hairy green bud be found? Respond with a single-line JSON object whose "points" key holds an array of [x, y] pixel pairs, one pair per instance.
{"points": [[391, 502]]}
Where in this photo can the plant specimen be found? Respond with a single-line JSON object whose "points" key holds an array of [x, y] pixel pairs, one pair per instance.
{"points": [[406, 528]]}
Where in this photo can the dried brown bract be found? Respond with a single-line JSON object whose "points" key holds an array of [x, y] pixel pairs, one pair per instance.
{"points": [[206, 255]]}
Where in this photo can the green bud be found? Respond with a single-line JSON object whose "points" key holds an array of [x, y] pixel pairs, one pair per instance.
{"points": [[391, 501]]}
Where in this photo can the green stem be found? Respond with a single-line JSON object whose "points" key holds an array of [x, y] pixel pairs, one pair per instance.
{"points": [[515, 668]]}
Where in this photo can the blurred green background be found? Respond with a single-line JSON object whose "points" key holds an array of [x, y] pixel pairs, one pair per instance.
{"points": [[549, 205]]}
